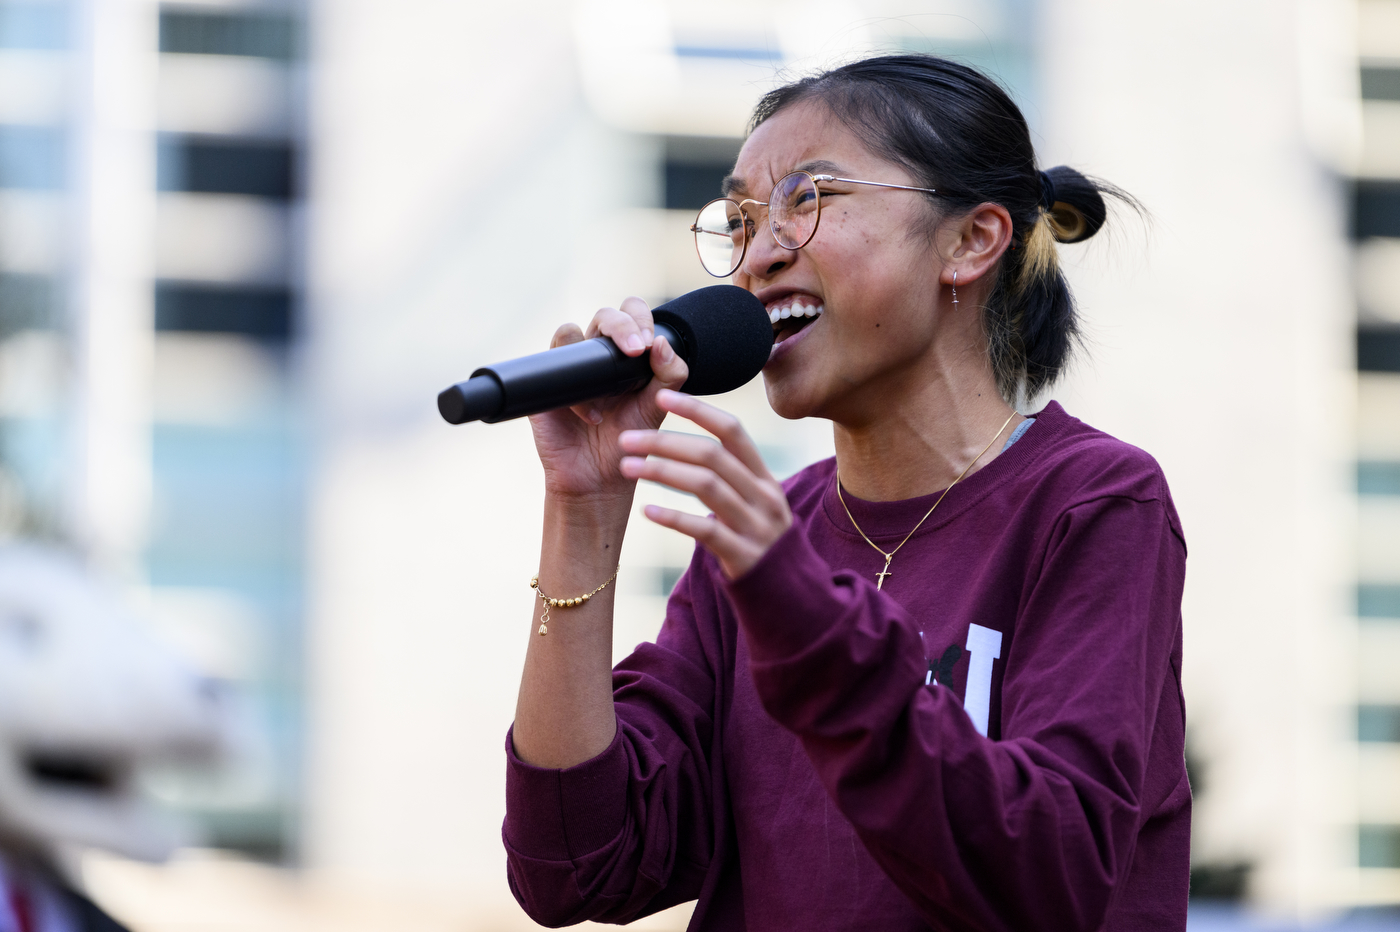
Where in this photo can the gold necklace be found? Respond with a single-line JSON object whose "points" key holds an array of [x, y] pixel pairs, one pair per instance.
{"points": [[885, 573]]}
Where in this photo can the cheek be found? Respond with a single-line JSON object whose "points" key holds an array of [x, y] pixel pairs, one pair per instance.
{"points": [[871, 276], [875, 246]]}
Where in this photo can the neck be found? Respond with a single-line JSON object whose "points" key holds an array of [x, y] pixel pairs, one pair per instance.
{"points": [[920, 441]]}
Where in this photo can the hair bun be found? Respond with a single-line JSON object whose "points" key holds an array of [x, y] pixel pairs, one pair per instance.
{"points": [[1076, 210]]}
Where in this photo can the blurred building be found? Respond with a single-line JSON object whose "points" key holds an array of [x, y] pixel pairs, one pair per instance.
{"points": [[1376, 227], [225, 553], [34, 110], [1231, 352], [149, 269], [244, 244]]}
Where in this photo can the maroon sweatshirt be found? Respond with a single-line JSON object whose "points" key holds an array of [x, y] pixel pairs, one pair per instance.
{"points": [[994, 741]]}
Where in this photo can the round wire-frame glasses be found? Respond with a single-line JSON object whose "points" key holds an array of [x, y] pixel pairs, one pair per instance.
{"points": [[723, 228]]}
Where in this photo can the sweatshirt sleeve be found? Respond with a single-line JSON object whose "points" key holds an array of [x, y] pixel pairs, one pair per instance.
{"points": [[1031, 831], [629, 832]]}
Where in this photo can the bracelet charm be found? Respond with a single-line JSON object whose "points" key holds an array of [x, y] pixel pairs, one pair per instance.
{"points": [[564, 603]]}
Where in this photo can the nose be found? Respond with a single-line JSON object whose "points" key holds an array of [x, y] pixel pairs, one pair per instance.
{"points": [[765, 258]]}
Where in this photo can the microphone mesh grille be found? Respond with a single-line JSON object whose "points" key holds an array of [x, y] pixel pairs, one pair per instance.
{"points": [[728, 334]]}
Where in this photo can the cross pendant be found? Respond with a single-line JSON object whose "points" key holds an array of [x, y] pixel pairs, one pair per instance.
{"points": [[883, 574]]}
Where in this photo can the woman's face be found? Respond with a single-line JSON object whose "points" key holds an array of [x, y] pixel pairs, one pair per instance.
{"points": [[871, 268]]}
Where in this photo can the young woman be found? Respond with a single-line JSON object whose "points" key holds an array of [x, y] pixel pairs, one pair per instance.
{"points": [[933, 682]]}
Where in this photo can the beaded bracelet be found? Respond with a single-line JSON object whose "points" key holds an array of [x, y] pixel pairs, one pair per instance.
{"points": [[564, 603]]}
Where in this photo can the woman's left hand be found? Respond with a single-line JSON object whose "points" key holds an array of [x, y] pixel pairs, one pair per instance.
{"points": [[750, 509]]}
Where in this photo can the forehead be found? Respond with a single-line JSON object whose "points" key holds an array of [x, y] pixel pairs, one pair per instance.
{"points": [[796, 136]]}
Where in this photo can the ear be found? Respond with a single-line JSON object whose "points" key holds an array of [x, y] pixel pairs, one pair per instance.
{"points": [[972, 245]]}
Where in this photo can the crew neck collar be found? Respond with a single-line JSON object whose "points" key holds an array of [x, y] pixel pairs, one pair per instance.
{"points": [[893, 520]]}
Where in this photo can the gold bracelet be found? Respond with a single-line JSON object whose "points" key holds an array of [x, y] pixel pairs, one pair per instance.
{"points": [[564, 603]]}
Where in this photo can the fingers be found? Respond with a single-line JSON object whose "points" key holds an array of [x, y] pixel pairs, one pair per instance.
{"points": [[637, 309], [588, 411], [630, 326], [705, 484], [667, 365], [723, 425], [746, 500], [736, 553], [750, 509], [706, 470], [566, 334]]}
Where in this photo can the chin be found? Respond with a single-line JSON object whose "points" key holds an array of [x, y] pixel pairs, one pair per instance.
{"points": [[788, 398]]}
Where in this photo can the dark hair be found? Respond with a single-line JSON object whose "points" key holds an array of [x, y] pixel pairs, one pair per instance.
{"points": [[958, 131]]}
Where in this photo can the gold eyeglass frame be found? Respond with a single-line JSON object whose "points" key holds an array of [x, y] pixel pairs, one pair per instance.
{"points": [[743, 252]]}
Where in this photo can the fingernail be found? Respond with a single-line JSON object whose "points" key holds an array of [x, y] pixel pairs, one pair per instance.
{"points": [[648, 336], [668, 354], [625, 438], [595, 416], [633, 342]]}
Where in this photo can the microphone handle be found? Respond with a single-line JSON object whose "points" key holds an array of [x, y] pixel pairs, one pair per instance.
{"points": [[555, 378]]}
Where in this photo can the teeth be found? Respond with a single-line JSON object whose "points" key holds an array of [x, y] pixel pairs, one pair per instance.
{"points": [[795, 309]]}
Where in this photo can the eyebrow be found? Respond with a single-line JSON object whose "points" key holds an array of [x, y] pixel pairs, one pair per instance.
{"points": [[819, 167], [732, 184]]}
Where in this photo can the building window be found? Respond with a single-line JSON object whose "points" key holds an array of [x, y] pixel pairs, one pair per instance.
{"points": [[27, 302], [1378, 723], [667, 577], [1378, 601], [695, 167], [1378, 348], [1380, 83], [213, 165], [752, 53], [689, 187], [31, 157], [265, 313], [1377, 478], [1379, 845], [1376, 208], [33, 26], [256, 35]]}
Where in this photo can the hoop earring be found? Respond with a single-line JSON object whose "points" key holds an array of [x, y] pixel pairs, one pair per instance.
{"points": [[955, 287]]}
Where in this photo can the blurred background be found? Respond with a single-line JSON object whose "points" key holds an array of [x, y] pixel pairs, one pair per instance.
{"points": [[244, 244]]}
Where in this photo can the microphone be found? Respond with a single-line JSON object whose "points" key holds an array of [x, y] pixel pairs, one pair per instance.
{"points": [[722, 332]]}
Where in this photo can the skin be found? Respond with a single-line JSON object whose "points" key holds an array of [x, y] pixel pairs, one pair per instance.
{"points": [[902, 374]]}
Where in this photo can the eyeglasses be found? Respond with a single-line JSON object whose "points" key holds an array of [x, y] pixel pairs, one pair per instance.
{"points": [[723, 228]]}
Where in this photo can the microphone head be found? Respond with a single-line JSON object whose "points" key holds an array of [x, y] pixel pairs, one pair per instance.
{"points": [[727, 333]]}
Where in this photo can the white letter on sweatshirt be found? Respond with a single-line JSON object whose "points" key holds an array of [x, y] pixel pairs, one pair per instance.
{"points": [[985, 646]]}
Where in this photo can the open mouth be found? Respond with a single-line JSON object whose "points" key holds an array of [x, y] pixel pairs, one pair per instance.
{"points": [[792, 313]]}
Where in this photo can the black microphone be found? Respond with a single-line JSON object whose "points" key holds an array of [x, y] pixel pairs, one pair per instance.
{"points": [[722, 332]]}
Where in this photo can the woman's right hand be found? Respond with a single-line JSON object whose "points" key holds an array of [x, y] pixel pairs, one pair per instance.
{"points": [[578, 446]]}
